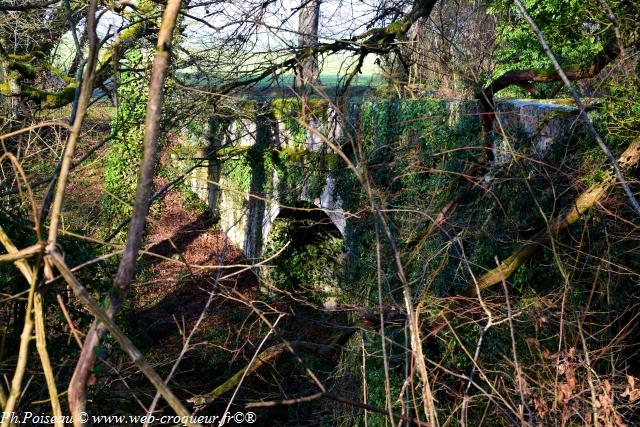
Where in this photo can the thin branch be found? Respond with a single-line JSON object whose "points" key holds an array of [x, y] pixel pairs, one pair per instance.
{"points": [[53, 177], [25, 336], [519, 377], [21, 254], [20, 7], [285, 402], [127, 346], [85, 97], [77, 387], [253, 359]]}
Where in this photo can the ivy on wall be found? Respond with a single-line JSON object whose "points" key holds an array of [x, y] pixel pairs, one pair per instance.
{"points": [[420, 155], [125, 150]]}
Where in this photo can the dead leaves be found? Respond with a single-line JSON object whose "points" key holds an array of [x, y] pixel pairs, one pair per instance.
{"points": [[573, 391], [605, 408], [565, 367], [631, 392], [566, 390]]}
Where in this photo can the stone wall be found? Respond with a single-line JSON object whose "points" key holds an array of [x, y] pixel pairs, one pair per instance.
{"points": [[248, 205], [542, 122]]}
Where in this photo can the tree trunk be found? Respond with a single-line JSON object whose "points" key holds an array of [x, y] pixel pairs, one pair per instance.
{"points": [[308, 70]]}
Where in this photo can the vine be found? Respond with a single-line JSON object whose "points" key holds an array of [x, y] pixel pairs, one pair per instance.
{"points": [[125, 150]]}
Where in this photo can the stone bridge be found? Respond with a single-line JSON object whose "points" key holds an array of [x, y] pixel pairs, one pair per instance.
{"points": [[266, 162]]}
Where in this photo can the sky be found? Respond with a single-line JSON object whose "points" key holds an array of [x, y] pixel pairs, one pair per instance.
{"points": [[275, 28]]}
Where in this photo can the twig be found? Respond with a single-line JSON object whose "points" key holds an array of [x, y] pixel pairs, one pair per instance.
{"points": [[153, 198], [187, 341], [25, 337], [285, 402], [72, 328], [594, 398], [87, 263], [34, 300], [21, 254], [53, 177], [316, 396], [3, 396], [483, 333], [253, 359], [41, 346], [78, 56], [383, 341], [413, 320], [51, 123], [26, 6], [616, 25], [32, 278], [372, 408], [85, 97], [519, 379]]}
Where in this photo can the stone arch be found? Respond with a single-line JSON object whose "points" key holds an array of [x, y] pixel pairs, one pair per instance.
{"points": [[303, 210], [328, 203], [316, 250]]}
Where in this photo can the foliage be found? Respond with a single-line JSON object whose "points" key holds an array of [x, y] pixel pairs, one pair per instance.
{"points": [[125, 150], [238, 173], [309, 266], [407, 144], [619, 116], [572, 28]]}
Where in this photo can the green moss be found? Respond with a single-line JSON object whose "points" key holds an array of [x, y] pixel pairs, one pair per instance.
{"points": [[396, 27], [288, 111], [291, 154], [24, 68], [48, 100], [60, 98]]}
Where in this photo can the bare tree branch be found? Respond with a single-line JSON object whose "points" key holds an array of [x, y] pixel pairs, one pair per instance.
{"points": [[77, 398], [20, 7]]}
